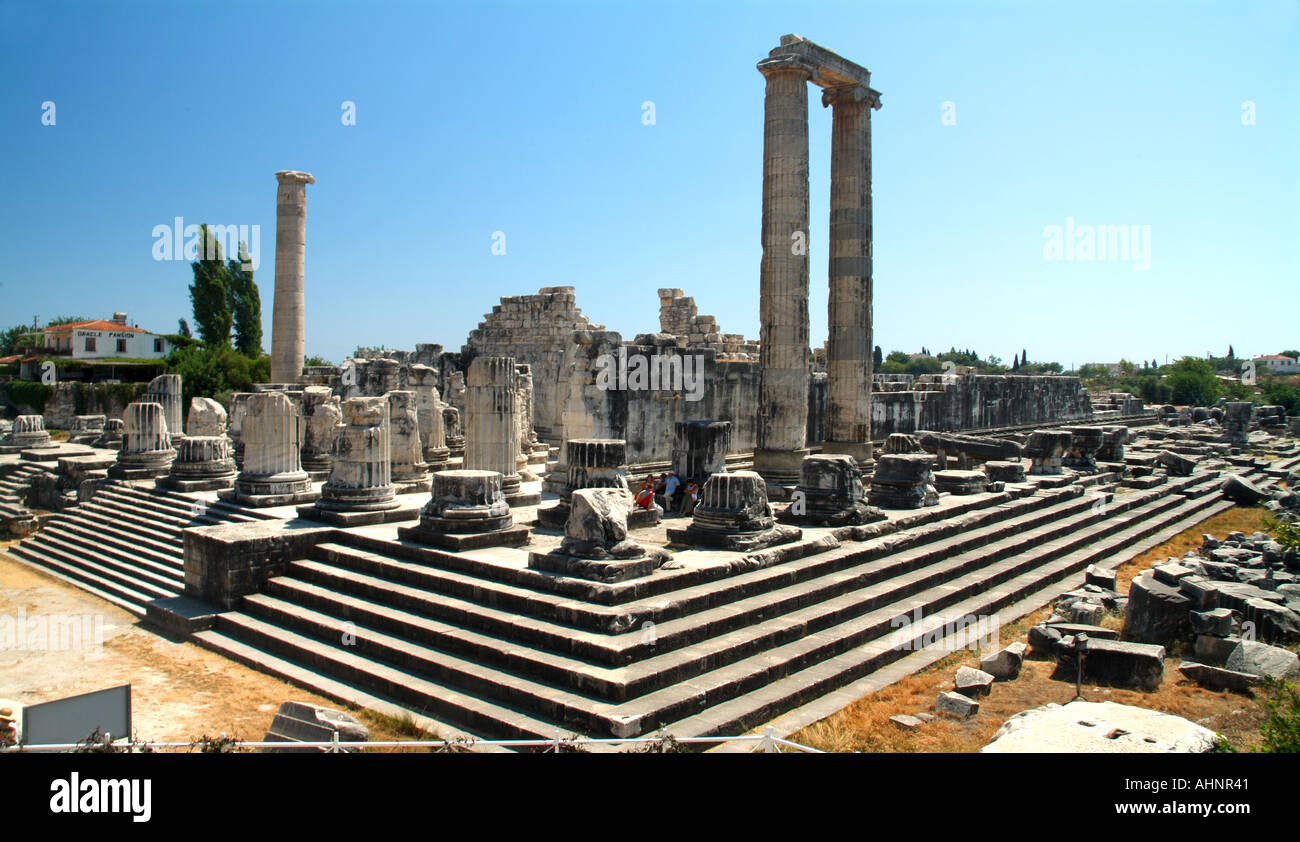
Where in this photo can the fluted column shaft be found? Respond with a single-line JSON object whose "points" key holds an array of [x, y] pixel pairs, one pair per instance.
{"points": [[783, 273], [492, 424], [848, 346], [288, 327]]}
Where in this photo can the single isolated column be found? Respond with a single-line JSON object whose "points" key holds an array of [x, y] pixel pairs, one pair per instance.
{"points": [[783, 274], [288, 326], [848, 346]]}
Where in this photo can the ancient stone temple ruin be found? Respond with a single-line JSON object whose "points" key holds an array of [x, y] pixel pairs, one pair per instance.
{"points": [[505, 533]]}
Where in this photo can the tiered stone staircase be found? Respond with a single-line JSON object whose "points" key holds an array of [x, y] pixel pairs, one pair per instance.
{"points": [[124, 545], [504, 651], [13, 489]]}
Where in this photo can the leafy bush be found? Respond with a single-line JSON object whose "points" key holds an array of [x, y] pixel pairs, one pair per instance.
{"points": [[1280, 394], [29, 393], [1281, 728], [208, 372], [1193, 383]]}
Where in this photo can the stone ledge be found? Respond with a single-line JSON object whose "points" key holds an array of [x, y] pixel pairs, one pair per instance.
{"points": [[343, 518], [180, 616], [513, 536]]}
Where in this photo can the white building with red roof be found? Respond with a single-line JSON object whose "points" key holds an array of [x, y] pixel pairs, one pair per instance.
{"points": [[99, 339], [1278, 364]]}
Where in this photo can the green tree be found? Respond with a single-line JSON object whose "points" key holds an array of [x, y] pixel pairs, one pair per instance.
{"points": [[900, 357], [1192, 382], [210, 292], [183, 328], [245, 306], [877, 359], [1280, 394], [924, 365]]}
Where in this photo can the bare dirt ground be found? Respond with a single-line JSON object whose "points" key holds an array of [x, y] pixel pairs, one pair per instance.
{"points": [[179, 691], [865, 726]]}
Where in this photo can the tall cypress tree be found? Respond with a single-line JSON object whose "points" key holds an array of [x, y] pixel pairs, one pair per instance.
{"points": [[877, 359], [210, 292], [245, 306]]}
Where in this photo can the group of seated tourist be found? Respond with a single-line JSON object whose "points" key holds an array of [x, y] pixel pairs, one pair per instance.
{"points": [[667, 493]]}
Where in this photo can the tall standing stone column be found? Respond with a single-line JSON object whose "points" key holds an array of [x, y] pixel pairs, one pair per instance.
{"points": [[492, 424], [409, 470], [288, 327], [848, 346], [428, 405], [783, 273]]}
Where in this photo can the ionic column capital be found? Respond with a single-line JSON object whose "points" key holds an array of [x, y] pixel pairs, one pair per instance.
{"points": [[294, 177], [851, 94], [789, 64]]}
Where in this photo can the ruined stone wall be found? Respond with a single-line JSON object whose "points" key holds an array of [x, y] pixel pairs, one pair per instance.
{"points": [[978, 401], [71, 399], [645, 418], [679, 317], [533, 329]]}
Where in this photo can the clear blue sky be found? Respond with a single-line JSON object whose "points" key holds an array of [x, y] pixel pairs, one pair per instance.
{"points": [[526, 118]]}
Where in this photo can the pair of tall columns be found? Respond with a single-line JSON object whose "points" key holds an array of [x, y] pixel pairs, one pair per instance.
{"points": [[784, 271]]}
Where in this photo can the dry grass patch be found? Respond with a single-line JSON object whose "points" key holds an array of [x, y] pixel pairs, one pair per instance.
{"points": [[865, 726], [1245, 519]]}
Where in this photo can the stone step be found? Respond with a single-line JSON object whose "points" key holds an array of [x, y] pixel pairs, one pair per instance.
{"points": [[123, 597], [489, 607], [338, 691], [99, 565], [587, 713], [696, 613], [407, 690], [130, 518], [471, 677], [603, 681], [534, 581], [159, 513], [125, 532], [824, 632], [174, 506], [181, 506], [68, 535], [505, 600], [169, 558], [771, 699], [609, 720]]}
